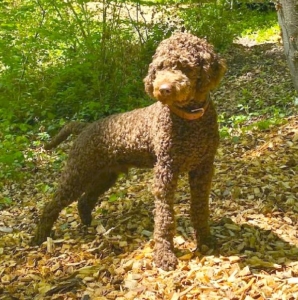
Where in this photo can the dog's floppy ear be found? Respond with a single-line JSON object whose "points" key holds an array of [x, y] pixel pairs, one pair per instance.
{"points": [[156, 65], [212, 72], [219, 68], [148, 81]]}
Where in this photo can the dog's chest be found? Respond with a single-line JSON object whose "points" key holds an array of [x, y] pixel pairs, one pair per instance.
{"points": [[192, 142]]}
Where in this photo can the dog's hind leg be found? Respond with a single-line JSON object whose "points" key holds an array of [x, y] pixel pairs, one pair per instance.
{"points": [[72, 185], [64, 196], [97, 187]]}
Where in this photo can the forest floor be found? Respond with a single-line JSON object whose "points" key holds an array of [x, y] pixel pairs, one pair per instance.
{"points": [[254, 212]]}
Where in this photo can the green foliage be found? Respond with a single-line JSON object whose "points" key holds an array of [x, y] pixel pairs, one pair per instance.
{"points": [[5, 202], [258, 25], [221, 24], [207, 20], [236, 125], [56, 57], [62, 60], [270, 33], [14, 139], [116, 196]]}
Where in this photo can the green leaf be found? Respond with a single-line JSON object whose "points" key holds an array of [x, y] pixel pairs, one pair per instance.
{"points": [[113, 197]]}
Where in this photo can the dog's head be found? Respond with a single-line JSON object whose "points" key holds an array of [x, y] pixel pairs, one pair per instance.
{"points": [[184, 69]]}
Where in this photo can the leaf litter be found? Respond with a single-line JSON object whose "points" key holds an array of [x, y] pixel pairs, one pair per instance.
{"points": [[253, 204]]}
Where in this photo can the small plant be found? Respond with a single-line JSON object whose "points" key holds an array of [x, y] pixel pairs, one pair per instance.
{"points": [[5, 202]]}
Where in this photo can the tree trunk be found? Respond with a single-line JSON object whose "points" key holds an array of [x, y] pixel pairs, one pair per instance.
{"points": [[288, 20]]}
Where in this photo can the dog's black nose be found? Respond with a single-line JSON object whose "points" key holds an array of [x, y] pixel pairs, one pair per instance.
{"points": [[165, 89]]}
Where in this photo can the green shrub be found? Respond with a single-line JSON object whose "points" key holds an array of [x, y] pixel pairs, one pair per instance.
{"points": [[208, 21], [60, 56]]}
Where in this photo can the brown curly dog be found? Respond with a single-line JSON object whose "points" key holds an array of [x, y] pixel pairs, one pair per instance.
{"points": [[179, 133]]}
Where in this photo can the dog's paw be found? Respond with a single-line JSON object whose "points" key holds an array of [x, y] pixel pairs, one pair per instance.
{"points": [[166, 260], [86, 219], [39, 237], [207, 243], [36, 241]]}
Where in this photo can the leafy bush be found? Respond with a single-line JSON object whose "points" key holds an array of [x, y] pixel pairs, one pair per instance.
{"points": [[221, 24], [208, 20], [14, 139], [63, 60], [58, 57]]}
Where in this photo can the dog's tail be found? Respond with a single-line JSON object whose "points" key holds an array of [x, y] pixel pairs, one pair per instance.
{"points": [[74, 127]]}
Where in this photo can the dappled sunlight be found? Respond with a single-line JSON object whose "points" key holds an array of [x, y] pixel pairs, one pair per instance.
{"points": [[253, 207], [278, 140], [251, 37]]}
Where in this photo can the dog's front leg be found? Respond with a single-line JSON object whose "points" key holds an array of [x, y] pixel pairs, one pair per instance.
{"points": [[200, 185], [165, 182]]}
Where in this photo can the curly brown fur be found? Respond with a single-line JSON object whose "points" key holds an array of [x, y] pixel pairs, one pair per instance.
{"points": [[184, 70], [74, 127], [186, 63]]}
